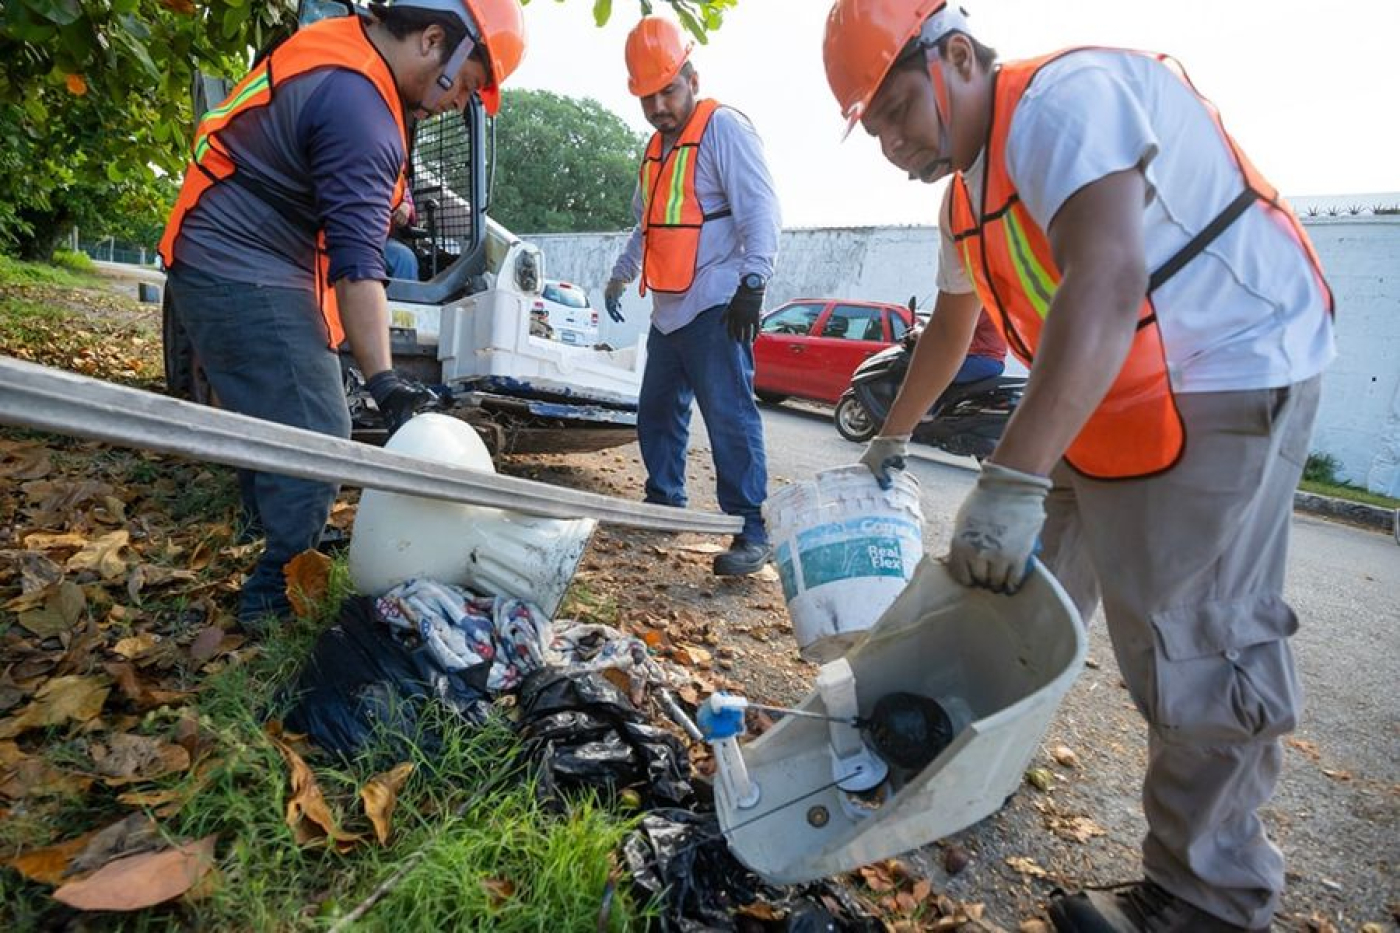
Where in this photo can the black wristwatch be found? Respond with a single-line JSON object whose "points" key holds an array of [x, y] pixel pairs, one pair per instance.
{"points": [[753, 281]]}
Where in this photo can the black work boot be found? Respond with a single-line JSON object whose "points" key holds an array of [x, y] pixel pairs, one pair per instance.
{"points": [[1139, 907], [743, 558]]}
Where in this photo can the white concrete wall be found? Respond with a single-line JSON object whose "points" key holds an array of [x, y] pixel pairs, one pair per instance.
{"points": [[870, 263], [1359, 423]]}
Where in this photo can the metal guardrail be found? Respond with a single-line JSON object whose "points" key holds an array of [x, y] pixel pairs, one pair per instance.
{"points": [[49, 399]]}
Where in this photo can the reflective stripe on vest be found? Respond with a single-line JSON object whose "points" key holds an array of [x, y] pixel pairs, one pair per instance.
{"points": [[1136, 430], [671, 212], [338, 42]]}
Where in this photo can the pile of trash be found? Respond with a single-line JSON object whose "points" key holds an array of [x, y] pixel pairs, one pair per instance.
{"points": [[390, 665]]}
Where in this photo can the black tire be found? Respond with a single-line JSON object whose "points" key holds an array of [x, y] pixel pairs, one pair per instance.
{"points": [[853, 422], [769, 398], [184, 376]]}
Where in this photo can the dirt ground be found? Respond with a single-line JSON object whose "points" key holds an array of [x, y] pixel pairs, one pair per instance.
{"points": [[1078, 820]]}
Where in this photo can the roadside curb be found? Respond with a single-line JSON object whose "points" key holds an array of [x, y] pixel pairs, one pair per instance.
{"points": [[1356, 513]]}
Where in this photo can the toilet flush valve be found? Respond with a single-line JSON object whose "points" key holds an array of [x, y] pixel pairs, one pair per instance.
{"points": [[721, 722]]}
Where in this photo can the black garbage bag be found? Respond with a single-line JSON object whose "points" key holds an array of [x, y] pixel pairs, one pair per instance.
{"points": [[361, 678], [582, 732], [680, 861]]}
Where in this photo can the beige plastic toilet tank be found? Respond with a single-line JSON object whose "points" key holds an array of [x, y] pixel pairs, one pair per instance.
{"points": [[1010, 658]]}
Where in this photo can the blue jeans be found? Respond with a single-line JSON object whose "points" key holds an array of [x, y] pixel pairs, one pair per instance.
{"points": [[700, 362], [400, 260], [266, 355], [975, 368]]}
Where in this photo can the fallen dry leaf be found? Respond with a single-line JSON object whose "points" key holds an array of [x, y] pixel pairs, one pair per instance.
{"points": [[63, 699], [1026, 866], [162, 803], [1064, 756], [37, 574], [148, 576], [134, 646], [1033, 926], [1303, 745], [131, 835], [103, 555], [126, 758], [499, 890], [50, 865], [47, 541], [60, 612], [308, 814], [380, 795], [137, 692], [761, 911], [308, 577], [140, 881], [34, 777], [704, 548], [206, 644], [1076, 828], [23, 460]]}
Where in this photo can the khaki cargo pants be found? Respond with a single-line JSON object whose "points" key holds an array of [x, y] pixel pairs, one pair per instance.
{"points": [[1190, 565]]}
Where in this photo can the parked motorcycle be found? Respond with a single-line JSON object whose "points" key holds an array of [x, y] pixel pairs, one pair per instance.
{"points": [[966, 420]]}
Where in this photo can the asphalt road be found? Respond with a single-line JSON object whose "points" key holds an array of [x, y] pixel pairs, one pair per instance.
{"points": [[1337, 811]]}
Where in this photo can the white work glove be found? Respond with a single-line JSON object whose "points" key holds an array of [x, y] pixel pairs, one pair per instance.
{"points": [[883, 454], [998, 528]]}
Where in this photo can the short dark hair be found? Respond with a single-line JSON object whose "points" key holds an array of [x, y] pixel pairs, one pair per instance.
{"points": [[404, 21], [687, 69], [911, 57]]}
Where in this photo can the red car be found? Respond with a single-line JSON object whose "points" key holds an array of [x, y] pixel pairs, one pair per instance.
{"points": [[809, 347]]}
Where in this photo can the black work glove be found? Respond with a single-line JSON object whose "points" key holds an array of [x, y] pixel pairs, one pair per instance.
{"points": [[399, 399], [741, 315], [612, 299]]}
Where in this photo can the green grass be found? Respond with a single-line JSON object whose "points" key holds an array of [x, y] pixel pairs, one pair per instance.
{"points": [[1350, 493], [1320, 475], [67, 270], [465, 818], [24, 321], [583, 603]]}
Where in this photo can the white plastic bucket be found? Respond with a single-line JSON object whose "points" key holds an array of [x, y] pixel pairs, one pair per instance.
{"points": [[845, 548], [398, 537]]}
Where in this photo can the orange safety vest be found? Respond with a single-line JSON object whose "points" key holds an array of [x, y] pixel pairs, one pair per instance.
{"points": [[338, 42], [671, 222], [1136, 430]]}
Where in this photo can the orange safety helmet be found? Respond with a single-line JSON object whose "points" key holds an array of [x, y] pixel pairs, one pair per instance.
{"points": [[656, 51], [864, 39], [498, 26]]}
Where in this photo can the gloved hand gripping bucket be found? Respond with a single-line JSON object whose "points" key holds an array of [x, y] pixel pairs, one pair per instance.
{"points": [[1009, 659]]}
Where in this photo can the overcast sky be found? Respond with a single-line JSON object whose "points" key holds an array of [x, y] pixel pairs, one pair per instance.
{"points": [[1308, 89]]}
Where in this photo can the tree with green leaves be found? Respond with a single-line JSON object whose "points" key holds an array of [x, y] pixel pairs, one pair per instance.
{"points": [[563, 165], [95, 102]]}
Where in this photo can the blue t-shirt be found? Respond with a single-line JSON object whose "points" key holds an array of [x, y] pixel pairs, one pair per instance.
{"points": [[329, 153]]}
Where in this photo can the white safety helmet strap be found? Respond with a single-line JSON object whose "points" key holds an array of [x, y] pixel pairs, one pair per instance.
{"points": [[946, 21], [448, 76]]}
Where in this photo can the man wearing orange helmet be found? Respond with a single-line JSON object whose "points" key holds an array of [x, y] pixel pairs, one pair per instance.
{"points": [[1175, 321], [705, 243], [274, 253]]}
